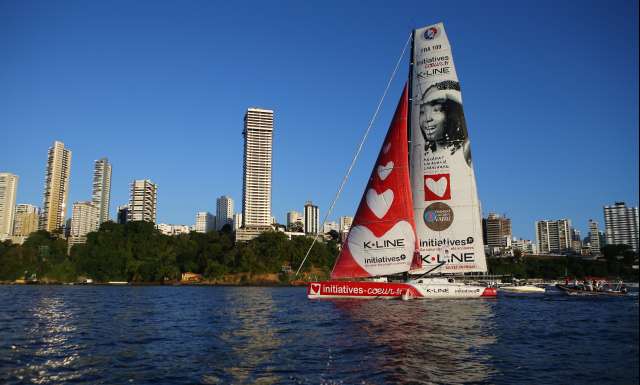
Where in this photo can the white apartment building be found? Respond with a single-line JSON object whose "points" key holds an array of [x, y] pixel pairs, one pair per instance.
{"points": [[328, 226], [311, 218], [205, 222], [56, 188], [143, 201], [171, 230], [84, 219], [256, 181], [621, 225], [237, 221], [524, 245], [8, 192], [224, 212], [101, 194], [553, 236]]}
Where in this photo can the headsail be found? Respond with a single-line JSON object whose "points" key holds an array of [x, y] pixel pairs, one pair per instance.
{"points": [[446, 206], [382, 238]]}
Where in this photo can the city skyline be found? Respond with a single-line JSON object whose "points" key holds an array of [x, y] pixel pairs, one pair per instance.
{"points": [[543, 102]]}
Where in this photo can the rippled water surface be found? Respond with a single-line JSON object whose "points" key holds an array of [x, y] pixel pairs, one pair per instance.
{"points": [[220, 335]]}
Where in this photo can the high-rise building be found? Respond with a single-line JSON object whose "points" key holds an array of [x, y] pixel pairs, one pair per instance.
{"points": [[25, 220], [205, 222], [8, 191], [295, 221], [498, 230], [311, 218], [123, 214], [553, 236], [594, 237], [621, 225], [256, 181], [224, 212], [84, 220], [102, 188], [56, 188], [143, 201], [237, 221], [345, 223]]}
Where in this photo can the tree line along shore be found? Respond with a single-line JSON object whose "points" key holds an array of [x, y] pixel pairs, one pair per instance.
{"points": [[136, 252]]}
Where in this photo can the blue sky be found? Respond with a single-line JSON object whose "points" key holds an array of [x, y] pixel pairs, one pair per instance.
{"points": [[161, 87]]}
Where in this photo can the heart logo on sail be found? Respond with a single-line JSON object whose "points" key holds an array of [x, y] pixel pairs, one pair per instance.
{"points": [[391, 253], [315, 288], [438, 187], [384, 171], [386, 148], [379, 203]]}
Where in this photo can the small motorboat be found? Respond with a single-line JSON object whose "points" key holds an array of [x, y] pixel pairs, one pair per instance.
{"points": [[604, 289], [522, 289]]}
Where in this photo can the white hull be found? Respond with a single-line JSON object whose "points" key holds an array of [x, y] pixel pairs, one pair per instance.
{"points": [[447, 288], [522, 289]]}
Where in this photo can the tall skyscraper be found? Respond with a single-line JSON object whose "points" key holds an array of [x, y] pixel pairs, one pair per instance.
{"points": [[224, 212], [311, 218], [25, 220], [8, 191], [102, 188], [143, 201], [205, 222], [84, 220], [256, 181], [56, 188], [594, 237], [621, 225], [553, 236], [498, 230]]}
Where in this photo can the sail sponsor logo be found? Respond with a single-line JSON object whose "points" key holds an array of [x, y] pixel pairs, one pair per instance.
{"points": [[388, 290], [437, 187], [430, 33], [438, 216], [387, 254], [385, 260], [383, 243], [468, 257], [445, 242]]}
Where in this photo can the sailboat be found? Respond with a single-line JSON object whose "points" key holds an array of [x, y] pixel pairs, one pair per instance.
{"points": [[419, 215]]}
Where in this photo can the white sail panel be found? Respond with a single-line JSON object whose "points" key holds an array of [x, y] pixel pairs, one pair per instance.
{"points": [[445, 199]]}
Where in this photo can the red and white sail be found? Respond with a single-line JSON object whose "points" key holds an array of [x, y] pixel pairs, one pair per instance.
{"points": [[382, 238], [447, 210]]}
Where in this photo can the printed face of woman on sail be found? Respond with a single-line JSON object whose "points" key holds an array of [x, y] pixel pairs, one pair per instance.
{"points": [[432, 119]]}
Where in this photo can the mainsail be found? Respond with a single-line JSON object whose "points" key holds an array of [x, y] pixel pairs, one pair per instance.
{"points": [[446, 206], [382, 238]]}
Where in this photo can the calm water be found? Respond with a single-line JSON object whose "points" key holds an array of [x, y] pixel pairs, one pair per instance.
{"points": [[220, 335]]}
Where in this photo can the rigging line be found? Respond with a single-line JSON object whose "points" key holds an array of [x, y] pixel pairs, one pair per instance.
{"points": [[353, 162]]}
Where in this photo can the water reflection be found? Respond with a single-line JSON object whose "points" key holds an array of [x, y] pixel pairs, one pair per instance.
{"points": [[249, 336], [444, 341], [49, 337]]}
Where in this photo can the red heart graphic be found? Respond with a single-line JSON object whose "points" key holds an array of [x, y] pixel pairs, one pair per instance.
{"points": [[315, 288]]}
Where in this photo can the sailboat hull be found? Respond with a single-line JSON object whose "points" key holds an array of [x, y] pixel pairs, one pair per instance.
{"points": [[395, 290]]}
